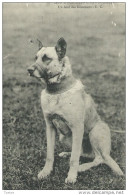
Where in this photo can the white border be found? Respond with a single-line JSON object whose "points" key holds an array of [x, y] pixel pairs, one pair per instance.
{"points": [[1, 106], [71, 192]]}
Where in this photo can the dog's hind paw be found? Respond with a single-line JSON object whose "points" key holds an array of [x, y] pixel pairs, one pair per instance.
{"points": [[64, 154]]}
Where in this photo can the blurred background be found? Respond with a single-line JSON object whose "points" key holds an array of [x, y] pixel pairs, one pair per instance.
{"points": [[95, 34]]}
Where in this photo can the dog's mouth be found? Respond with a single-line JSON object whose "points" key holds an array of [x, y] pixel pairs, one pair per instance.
{"points": [[53, 78]]}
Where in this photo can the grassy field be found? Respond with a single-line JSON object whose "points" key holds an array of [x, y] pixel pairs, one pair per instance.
{"points": [[96, 48]]}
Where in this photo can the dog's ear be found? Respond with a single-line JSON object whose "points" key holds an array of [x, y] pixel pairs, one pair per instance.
{"points": [[61, 48], [40, 45]]}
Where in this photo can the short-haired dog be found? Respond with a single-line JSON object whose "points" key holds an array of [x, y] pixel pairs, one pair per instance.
{"points": [[69, 111]]}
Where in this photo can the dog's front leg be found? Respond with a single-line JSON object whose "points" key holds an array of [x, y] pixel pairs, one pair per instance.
{"points": [[77, 137], [50, 133]]}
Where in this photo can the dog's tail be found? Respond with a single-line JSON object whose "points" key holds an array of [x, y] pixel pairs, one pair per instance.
{"points": [[118, 131]]}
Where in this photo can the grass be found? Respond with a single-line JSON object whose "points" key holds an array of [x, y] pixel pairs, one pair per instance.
{"points": [[96, 49]]}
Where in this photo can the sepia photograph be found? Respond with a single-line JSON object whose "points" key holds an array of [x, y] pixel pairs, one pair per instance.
{"points": [[64, 89]]}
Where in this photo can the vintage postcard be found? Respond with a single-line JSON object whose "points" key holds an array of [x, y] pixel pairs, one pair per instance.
{"points": [[64, 78]]}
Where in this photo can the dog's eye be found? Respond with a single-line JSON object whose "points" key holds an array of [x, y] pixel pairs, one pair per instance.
{"points": [[45, 58]]}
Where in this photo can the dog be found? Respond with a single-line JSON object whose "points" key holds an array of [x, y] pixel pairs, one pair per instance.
{"points": [[71, 112]]}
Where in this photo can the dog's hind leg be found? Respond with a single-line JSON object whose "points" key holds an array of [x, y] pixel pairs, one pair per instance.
{"points": [[95, 138], [101, 139], [84, 167], [67, 154], [101, 144], [99, 159], [64, 154], [112, 164], [65, 140]]}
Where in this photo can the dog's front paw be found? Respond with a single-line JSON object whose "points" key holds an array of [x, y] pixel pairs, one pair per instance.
{"points": [[72, 176], [70, 180], [44, 173]]}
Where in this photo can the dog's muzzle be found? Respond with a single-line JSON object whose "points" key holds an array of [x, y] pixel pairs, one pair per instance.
{"points": [[35, 70]]}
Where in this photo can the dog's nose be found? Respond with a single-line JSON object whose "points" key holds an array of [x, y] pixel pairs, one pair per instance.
{"points": [[30, 70]]}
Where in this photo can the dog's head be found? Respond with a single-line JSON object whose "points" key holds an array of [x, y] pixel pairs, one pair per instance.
{"points": [[51, 64]]}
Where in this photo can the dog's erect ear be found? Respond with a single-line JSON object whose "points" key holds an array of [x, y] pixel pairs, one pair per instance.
{"points": [[39, 44], [61, 48]]}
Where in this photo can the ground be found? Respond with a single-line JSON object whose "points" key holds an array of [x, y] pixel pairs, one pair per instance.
{"points": [[96, 48]]}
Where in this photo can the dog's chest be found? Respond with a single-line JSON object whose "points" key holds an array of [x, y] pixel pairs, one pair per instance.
{"points": [[53, 108], [52, 103], [63, 109]]}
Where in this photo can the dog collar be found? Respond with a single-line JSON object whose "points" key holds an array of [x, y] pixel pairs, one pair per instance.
{"points": [[65, 85]]}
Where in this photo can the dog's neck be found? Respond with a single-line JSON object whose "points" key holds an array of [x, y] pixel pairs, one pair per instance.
{"points": [[66, 84]]}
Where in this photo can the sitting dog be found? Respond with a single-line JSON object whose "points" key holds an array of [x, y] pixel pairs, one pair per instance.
{"points": [[70, 111]]}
